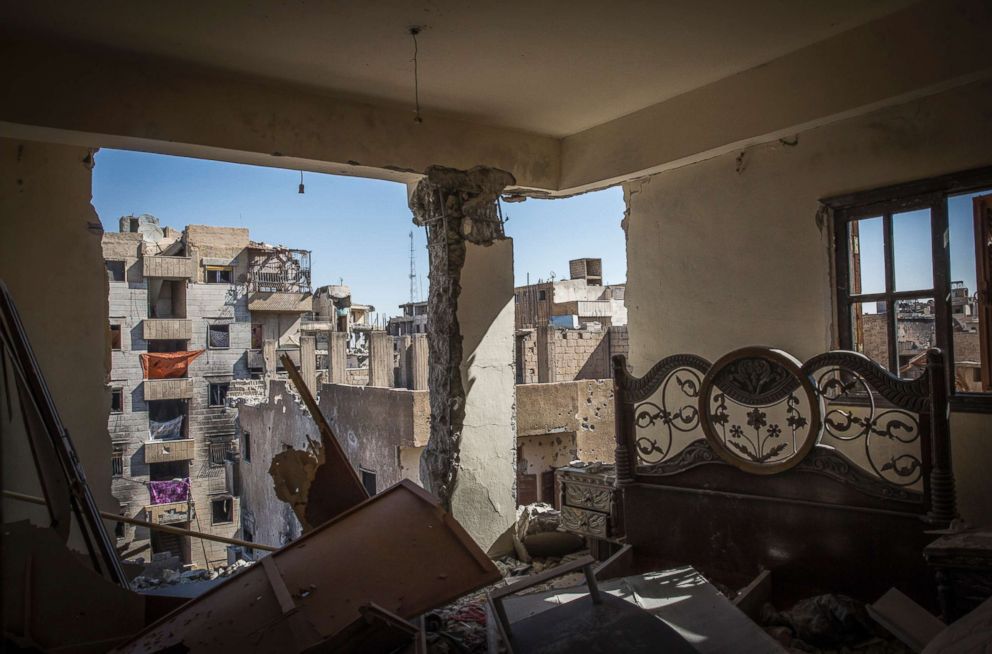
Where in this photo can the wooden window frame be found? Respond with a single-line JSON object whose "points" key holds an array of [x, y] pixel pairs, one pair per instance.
{"points": [[210, 394], [931, 194]]}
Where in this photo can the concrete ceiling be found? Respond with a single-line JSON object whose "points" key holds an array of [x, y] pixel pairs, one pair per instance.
{"points": [[553, 68]]}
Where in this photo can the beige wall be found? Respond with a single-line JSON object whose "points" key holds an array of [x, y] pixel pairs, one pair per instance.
{"points": [[484, 501], [51, 260], [727, 252]]}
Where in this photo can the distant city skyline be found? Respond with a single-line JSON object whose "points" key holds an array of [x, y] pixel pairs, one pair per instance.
{"points": [[357, 228]]}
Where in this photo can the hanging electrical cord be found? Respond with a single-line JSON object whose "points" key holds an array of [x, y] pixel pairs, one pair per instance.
{"points": [[301, 182], [414, 31]]}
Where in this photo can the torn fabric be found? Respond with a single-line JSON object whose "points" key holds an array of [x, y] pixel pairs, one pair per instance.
{"points": [[167, 365], [164, 492], [167, 430]]}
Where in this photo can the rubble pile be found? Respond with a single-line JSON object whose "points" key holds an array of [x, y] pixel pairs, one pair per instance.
{"points": [[165, 577], [537, 533], [829, 624]]}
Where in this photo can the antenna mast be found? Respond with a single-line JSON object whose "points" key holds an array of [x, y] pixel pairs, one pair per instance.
{"points": [[413, 272]]}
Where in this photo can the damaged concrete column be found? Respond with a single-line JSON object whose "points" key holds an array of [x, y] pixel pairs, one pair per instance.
{"points": [[469, 460], [308, 363], [380, 359], [544, 336], [337, 357], [403, 379], [269, 359], [418, 362]]}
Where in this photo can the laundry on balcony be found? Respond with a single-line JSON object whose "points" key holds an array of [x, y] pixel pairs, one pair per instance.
{"points": [[166, 430], [164, 492], [167, 365]]}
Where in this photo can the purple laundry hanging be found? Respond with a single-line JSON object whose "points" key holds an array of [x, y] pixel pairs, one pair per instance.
{"points": [[163, 492]]}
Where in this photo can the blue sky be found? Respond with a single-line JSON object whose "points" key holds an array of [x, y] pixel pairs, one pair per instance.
{"points": [[911, 248], [358, 229]]}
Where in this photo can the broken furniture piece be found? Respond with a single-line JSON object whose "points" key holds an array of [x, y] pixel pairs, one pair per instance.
{"points": [[680, 600], [308, 592], [589, 506], [828, 473], [963, 566], [595, 622]]}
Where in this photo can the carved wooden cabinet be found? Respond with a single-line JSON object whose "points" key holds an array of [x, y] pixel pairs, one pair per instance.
{"points": [[589, 504], [963, 566]]}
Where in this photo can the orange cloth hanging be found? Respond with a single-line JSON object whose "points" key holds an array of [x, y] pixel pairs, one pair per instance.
{"points": [[167, 365]]}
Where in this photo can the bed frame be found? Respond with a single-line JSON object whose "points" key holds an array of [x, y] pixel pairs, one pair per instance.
{"points": [[829, 473]]}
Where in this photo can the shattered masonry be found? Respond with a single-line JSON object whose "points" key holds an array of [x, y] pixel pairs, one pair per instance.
{"points": [[456, 206]]}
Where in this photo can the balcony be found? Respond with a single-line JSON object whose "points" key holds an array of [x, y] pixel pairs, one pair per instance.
{"points": [[167, 329], [165, 451], [167, 267], [172, 512], [280, 302], [168, 389]]}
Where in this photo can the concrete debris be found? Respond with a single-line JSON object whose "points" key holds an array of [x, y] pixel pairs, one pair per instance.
{"points": [[829, 624], [173, 577], [538, 533]]}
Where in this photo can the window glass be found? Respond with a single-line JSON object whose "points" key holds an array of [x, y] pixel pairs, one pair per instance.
{"points": [[965, 220], [912, 250], [869, 330], [915, 334], [867, 256], [219, 275]]}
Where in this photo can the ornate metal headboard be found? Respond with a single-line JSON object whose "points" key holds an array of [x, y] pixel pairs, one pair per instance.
{"points": [[839, 417]]}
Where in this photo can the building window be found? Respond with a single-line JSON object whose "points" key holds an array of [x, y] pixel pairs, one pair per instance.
{"points": [[219, 275], [115, 271], [219, 336], [368, 481], [218, 393], [119, 530], [117, 400], [222, 510], [115, 337], [542, 295], [117, 461], [257, 336], [218, 453], [246, 447], [910, 278]]}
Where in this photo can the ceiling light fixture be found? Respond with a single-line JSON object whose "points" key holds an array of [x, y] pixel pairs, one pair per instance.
{"points": [[301, 183], [414, 31]]}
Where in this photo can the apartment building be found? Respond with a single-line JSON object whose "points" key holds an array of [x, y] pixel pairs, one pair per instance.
{"points": [[189, 313]]}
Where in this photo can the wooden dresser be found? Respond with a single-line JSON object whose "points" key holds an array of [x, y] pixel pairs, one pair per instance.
{"points": [[589, 505]]}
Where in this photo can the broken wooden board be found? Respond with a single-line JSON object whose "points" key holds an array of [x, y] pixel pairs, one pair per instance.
{"points": [[331, 484], [398, 550]]}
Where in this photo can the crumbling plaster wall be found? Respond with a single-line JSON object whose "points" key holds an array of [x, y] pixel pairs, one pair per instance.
{"points": [[728, 252], [279, 422], [381, 430], [583, 408], [50, 259]]}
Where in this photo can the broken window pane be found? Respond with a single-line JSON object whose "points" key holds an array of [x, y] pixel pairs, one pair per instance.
{"points": [[867, 256], [912, 250], [869, 330], [218, 394], [219, 336], [115, 271]]}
